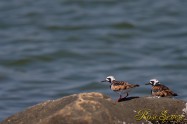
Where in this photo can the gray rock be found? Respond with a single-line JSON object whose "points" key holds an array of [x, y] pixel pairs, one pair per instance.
{"points": [[96, 108]]}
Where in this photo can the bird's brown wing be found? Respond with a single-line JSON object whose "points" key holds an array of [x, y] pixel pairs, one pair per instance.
{"points": [[162, 90], [119, 85], [164, 93], [163, 87], [159, 88], [122, 85]]}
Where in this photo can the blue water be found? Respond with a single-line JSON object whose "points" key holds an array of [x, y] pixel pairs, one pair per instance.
{"points": [[54, 48]]}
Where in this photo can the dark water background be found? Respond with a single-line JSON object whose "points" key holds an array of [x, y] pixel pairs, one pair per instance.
{"points": [[53, 48]]}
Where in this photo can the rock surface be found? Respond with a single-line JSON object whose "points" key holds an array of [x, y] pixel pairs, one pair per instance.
{"points": [[96, 108]]}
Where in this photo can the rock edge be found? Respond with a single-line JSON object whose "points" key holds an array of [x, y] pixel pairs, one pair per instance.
{"points": [[97, 108]]}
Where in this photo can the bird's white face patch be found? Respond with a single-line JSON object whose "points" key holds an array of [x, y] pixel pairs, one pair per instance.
{"points": [[110, 78], [154, 82]]}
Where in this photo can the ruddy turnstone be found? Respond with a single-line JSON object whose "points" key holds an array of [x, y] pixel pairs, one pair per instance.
{"points": [[120, 87], [159, 89]]}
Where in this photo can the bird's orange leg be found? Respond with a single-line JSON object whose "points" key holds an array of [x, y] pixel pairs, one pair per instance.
{"points": [[119, 98]]}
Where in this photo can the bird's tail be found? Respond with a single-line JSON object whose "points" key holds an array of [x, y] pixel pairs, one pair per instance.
{"points": [[174, 94], [136, 85]]}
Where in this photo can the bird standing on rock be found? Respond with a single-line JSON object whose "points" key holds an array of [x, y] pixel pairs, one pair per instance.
{"points": [[120, 87], [159, 89]]}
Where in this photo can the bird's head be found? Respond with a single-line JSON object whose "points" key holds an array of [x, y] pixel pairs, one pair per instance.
{"points": [[109, 79], [153, 82]]}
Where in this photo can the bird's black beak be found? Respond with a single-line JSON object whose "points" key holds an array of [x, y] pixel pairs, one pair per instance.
{"points": [[104, 81], [148, 83]]}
